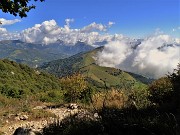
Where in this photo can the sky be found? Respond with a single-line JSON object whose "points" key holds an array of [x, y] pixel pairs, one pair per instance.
{"points": [[133, 18]]}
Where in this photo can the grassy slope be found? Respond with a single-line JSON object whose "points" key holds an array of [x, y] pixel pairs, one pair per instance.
{"points": [[96, 74]]}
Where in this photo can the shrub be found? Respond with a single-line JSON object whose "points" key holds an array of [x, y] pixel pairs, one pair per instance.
{"points": [[175, 80], [112, 98], [74, 126], [75, 88], [139, 98], [161, 91]]}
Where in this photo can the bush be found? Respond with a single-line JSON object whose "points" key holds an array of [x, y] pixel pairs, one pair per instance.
{"points": [[75, 88], [111, 98], [175, 80], [51, 96], [139, 98], [11, 91], [161, 91], [74, 126], [115, 121]]}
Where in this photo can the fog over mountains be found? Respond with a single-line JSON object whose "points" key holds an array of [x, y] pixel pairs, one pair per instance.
{"points": [[154, 57]]}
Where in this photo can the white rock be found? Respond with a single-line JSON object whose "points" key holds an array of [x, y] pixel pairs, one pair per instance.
{"points": [[23, 117], [96, 115]]}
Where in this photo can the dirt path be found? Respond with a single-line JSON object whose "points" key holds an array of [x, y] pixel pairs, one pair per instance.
{"points": [[38, 125]]}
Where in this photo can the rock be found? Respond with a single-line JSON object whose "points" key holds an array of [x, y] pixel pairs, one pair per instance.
{"points": [[73, 106], [23, 117], [74, 111], [96, 115], [23, 131], [40, 107], [17, 118]]}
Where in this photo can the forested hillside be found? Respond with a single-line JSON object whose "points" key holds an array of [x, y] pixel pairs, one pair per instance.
{"points": [[96, 75], [18, 80]]}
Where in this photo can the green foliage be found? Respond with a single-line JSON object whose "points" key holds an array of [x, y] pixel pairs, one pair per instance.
{"points": [[161, 91], [16, 7], [18, 81], [75, 88], [10, 91], [139, 98], [51, 96]]}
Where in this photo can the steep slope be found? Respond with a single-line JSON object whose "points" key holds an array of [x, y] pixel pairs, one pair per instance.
{"points": [[17, 80], [96, 75], [36, 54]]}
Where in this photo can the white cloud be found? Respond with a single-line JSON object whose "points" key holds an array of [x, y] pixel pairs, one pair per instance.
{"points": [[49, 32], [3, 30], [96, 27], [5, 35], [154, 57], [111, 23], [8, 22], [45, 33], [114, 52], [68, 21]]}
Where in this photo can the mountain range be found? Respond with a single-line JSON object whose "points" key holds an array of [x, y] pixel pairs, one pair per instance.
{"points": [[36, 54]]}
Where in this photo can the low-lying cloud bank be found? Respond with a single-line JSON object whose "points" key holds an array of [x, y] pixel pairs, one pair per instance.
{"points": [[154, 57]]}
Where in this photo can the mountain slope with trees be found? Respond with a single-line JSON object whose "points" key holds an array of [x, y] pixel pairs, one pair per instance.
{"points": [[19, 81], [98, 76]]}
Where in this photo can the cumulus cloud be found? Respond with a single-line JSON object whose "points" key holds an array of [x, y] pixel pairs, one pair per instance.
{"points": [[49, 32], [68, 21], [111, 23], [154, 57], [96, 27], [41, 33], [5, 35], [8, 22]]}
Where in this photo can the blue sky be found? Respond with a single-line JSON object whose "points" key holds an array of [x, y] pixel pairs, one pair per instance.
{"points": [[134, 18]]}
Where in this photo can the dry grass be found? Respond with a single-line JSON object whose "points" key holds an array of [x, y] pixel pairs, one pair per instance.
{"points": [[11, 107], [112, 98]]}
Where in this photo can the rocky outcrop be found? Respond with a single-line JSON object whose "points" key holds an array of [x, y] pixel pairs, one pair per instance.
{"points": [[33, 127], [24, 131]]}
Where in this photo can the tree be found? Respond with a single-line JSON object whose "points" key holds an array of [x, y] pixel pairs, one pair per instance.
{"points": [[161, 91], [75, 88], [175, 80], [17, 7]]}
